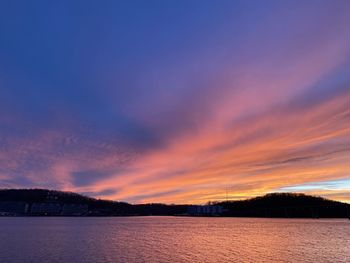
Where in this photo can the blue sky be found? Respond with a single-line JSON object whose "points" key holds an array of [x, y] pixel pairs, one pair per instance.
{"points": [[173, 101]]}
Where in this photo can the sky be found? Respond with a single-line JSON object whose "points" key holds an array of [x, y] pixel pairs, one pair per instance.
{"points": [[176, 101]]}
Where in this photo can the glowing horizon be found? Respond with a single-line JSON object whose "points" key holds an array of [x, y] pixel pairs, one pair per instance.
{"points": [[176, 102]]}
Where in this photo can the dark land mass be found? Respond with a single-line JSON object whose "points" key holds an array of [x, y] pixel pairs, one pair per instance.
{"points": [[287, 205], [42, 202]]}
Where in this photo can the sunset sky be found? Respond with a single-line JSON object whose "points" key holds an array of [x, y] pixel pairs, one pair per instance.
{"points": [[176, 101]]}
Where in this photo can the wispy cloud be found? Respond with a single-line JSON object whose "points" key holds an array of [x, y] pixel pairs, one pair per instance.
{"points": [[177, 105]]}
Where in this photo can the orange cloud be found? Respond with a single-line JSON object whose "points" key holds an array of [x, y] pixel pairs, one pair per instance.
{"points": [[286, 147]]}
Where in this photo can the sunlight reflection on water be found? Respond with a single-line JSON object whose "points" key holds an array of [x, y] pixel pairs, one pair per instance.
{"points": [[173, 239]]}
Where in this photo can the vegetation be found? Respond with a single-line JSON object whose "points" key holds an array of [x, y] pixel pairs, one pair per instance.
{"points": [[21, 201], [96, 207], [286, 205]]}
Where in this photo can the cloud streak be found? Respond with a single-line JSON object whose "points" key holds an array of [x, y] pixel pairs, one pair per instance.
{"points": [[179, 104]]}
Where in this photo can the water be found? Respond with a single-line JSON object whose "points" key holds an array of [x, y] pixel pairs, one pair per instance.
{"points": [[173, 239]]}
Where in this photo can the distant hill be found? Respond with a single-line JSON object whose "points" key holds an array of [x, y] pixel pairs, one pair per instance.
{"points": [[42, 195], [51, 202], [286, 205], [43, 202]]}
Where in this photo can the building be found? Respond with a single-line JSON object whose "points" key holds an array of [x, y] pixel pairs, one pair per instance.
{"points": [[46, 209], [13, 208], [74, 210], [205, 210]]}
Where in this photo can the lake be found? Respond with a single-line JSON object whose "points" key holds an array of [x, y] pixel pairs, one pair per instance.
{"points": [[172, 239]]}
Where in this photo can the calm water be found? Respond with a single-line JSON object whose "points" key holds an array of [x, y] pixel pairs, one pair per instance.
{"points": [[173, 239]]}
